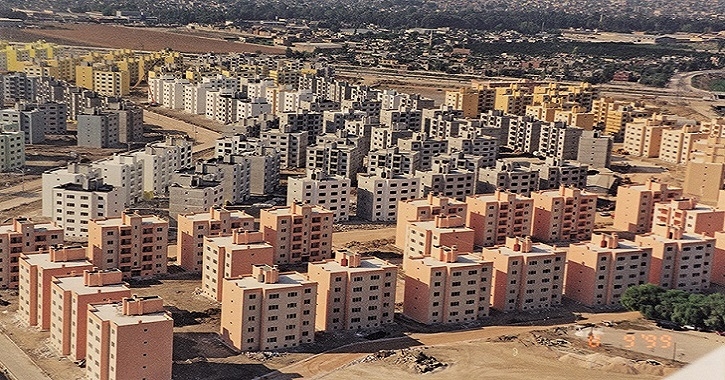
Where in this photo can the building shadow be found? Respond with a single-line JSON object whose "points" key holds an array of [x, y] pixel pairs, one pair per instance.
{"points": [[197, 370], [194, 345]]}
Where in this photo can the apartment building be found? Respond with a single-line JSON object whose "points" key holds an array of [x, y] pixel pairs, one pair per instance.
{"points": [[555, 172], [559, 141], [268, 310], [232, 255], [600, 271], [527, 276], [30, 121], [191, 192], [705, 173], [615, 114], [12, 148], [387, 136], [35, 277], [19, 86], [524, 134], [193, 228], [329, 192], [595, 150], [125, 172], [679, 260], [378, 195], [469, 142], [161, 160], [677, 143], [134, 243], [132, 339], [70, 297], [399, 161], [643, 137], [424, 209], [353, 292], [718, 259], [130, 121], [426, 147], [410, 117], [298, 232], [636, 203], [446, 179], [512, 176], [233, 173], [447, 287], [494, 217], [292, 146], [689, 216], [98, 129], [74, 205], [443, 230], [564, 214], [336, 158]]}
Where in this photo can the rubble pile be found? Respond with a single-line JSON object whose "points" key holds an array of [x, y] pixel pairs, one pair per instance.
{"points": [[263, 356]]}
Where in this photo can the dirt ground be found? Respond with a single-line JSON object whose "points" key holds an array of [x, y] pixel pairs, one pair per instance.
{"points": [[113, 36]]}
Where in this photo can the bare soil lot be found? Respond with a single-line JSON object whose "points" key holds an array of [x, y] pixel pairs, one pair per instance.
{"points": [[121, 37]]}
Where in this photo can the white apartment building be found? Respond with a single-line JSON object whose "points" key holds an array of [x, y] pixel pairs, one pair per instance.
{"points": [[510, 176], [235, 144], [125, 172], [384, 136], [395, 159], [555, 172], [558, 140], [403, 115], [292, 146], [469, 142], [378, 194], [331, 193], [445, 180], [160, 161], [251, 108], [172, 95], [74, 205], [12, 148]]}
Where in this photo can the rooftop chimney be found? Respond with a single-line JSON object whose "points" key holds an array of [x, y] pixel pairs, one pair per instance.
{"points": [[142, 305], [266, 274]]}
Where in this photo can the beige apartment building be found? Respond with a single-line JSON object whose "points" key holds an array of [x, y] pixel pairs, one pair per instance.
{"points": [[447, 287], [424, 209], [70, 297], [23, 236], [598, 272], [677, 144], [36, 275], [136, 244], [130, 340], [526, 276], [564, 214], [299, 232], [494, 217], [615, 114], [194, 227], [690, 216], [636, 203], [718, 259], [232, 255], [268, 310], [679, 260], [354, 292], [643, 137], [705, 173], [443, 231]]}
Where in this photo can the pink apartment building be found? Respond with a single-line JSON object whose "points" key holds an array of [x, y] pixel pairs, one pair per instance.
{"points": [[130, 340], [299, 232], [443, 231], [36, 276], [193, 228], [636, 203], [23, 236], [424, 209], [690, 216], [564, 214], [494, 217]]}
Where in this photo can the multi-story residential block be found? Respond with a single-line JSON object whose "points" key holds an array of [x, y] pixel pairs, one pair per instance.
{"points": [[615, 114], [718, 259], [403, 115], [679, 260], [559, 141], [512, 176], [555, 172], [12, 148], [427, 148], [136, 244], [19, 87], [494, 217], [564, 214], [527, 276], [353, 292], [98, 129], [678, 143], [378, 195], [73, 205], [123, 171], [232, 255], [636, 203], [524, 134], [689, 216], [191, 192], [299, 232], [268, 310], [160, 161], [387, 136], [442, 123], [424, 209], [292, 146], [443, 230], [130, 121], [447, 287], [469, 142], [705, 173], [595, 149], [643, 136], [398, 161], [70, 298], [342, 158], [445, 179], [233, 173], [193, 228], [30, 121], [598, 272], [330, 192], [55, 116], [36, 275], [132, 339]]}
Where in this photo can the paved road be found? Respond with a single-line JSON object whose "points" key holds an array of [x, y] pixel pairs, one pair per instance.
{"points": [[17, 362], [321, 365]]}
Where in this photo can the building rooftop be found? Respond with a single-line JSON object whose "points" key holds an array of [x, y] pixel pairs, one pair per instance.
{"points": [[431, 225], [110, 222], [207, 216], [43, 260], [114, 312], [461, 260], [366, 264], [537, 249], [77, 285], [228, 241], [285, 280]]}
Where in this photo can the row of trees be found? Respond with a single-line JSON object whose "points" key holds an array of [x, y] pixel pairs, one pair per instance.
{"points": [[699, 310]]}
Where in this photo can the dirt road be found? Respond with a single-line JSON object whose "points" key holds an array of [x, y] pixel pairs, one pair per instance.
{"points": [[17, 362], [205, 138]]}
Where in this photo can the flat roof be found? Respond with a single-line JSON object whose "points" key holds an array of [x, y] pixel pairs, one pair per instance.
{"points": [[114, 312], [537, 249], [367, 264], [624, 246], [686, 238], [431, 225], [285, 280], [424, 202], [118, 221], [42, 260], [461, 261], [287, 210], [206, 216], [77, 285], [228, 241], [6, 228]]}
